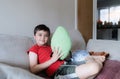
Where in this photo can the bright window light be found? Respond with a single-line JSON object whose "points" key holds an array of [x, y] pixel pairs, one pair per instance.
{"points": [[111, 14]]}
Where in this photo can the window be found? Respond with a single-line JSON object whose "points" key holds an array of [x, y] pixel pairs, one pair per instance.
{"points": [[110, 14]]}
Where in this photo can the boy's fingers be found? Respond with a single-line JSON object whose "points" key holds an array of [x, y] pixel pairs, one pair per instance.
{"points": [[61, 54], [58, 51], [53, 49]]}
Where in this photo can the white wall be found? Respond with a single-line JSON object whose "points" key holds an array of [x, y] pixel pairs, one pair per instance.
{"points": [[19, 17]]}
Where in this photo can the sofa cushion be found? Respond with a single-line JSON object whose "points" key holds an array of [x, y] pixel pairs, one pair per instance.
{"points": [[13, 50], [61, 39], [78, 42], [110, 46], [10, 72]]}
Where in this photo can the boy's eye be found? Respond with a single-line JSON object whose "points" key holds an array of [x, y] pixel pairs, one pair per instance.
{"points": [[43, 35], [47, 35], [40, 34]]}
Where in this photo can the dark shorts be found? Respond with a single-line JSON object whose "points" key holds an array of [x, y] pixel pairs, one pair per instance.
{"points": [[66, 72]]}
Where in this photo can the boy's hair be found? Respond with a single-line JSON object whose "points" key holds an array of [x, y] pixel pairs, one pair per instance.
{"points": [[41, 27]]}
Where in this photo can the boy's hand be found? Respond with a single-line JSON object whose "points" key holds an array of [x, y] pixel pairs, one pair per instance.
{"points": [[56, 54]]}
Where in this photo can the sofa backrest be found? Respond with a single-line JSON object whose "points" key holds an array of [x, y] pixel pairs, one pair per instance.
{"points": [[110, 46], [78, 42], [13, 50]]}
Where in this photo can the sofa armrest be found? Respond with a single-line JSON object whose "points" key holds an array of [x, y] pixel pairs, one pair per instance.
{"points": [[110, 46]]}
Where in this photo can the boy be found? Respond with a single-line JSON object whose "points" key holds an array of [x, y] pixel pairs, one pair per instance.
{"points": [[41, 58]]}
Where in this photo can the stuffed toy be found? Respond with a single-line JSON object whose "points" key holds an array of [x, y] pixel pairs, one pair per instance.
{"points": [[61, 40], [92, 53]]}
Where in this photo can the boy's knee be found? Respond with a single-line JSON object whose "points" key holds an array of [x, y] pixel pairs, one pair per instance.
{"points": [[92, 70], [96, 67]]}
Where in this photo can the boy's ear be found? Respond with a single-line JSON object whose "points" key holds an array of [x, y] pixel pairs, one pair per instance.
{"points": [[34, 37]]}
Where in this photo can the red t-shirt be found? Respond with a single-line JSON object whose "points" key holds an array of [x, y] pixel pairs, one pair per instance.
{"points": [[44, 54]]}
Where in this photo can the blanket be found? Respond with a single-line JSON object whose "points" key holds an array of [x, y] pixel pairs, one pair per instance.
{"points": [[10, 72], [111, 70]]}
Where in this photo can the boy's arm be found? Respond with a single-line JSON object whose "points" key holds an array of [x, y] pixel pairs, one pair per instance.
{"points": [[35, 67]]}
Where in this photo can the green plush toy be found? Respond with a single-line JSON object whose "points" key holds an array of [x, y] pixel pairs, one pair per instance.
{"points": [[61, 39]]}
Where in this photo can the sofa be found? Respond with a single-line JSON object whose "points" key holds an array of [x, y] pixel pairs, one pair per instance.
{"points": [[14, 61]]}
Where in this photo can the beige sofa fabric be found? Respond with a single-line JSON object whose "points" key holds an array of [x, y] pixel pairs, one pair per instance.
{"points": [[13, 50]]}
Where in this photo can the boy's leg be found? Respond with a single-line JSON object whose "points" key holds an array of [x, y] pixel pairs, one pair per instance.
{"points": [[99, 59], [90, 68]]}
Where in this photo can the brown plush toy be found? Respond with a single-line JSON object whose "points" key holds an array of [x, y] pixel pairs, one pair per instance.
{"points": [[99, 53]]}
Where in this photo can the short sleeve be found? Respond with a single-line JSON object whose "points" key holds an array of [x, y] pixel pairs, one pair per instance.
{"points": [[34, 49]]}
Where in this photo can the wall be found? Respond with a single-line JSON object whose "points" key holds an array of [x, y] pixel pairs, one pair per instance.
{"points": [[85, 15], [19, 17]]}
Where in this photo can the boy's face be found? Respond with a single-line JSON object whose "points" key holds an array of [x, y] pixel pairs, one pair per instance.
{"points": [[41, 37]]}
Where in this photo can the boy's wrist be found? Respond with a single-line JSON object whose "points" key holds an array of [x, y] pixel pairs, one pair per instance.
{"points": [[52, 61]]}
